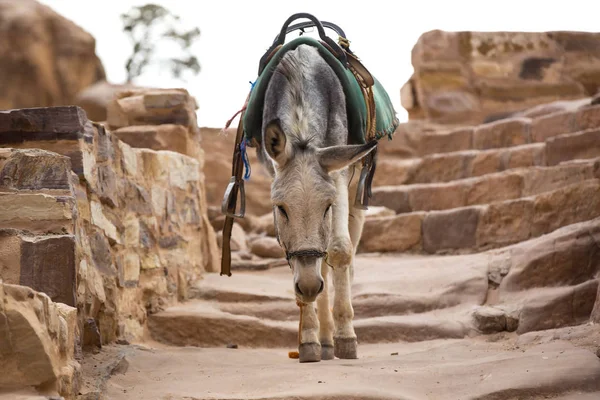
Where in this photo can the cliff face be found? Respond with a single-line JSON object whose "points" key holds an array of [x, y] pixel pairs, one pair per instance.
{"points": [[473, 77], [45, 59]]}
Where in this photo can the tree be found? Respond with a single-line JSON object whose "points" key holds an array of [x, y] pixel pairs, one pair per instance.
{"points": [[148, 27]]}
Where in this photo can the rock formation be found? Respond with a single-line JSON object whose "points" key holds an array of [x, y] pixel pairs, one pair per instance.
{"points": [[473, 77], [45, 59], [116, 231]]}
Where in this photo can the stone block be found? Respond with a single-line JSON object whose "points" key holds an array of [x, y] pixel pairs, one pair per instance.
{"points": [[505, 223], [565, 306], [33, 169], [48, 266], [456, 140], [587, 118], [440, 196], [443, 167], [453, 229], [581, 145], [497, 187], [398, 233], [552, 125], [565, 206], [503, 133]]}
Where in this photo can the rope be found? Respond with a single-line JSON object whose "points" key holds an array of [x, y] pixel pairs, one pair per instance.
{"points": [[245, 160]]}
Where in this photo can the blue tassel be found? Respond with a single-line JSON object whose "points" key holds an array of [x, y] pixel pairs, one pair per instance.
{"points": [[252, 84], [245, 160]]}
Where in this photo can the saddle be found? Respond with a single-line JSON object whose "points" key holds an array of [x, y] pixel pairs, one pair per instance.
{"points": [[369, 110]]}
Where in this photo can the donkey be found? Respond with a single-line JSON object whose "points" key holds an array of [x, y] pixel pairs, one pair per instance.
{"points": [[304, 148]]}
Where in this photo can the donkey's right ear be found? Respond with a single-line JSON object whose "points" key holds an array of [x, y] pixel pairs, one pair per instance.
{"points": [[275, 143]]}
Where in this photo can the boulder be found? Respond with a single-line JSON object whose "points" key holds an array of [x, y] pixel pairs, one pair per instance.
{"points": [[45, 59]]}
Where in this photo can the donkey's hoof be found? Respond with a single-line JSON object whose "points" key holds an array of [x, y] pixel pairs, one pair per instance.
{"points": [[345, 348], [310, 352], [327, 352]]}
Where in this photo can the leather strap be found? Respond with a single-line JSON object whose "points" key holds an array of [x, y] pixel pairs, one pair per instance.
{"points": [[228, 207]]}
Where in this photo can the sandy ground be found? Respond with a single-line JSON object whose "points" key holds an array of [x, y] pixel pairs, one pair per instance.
{"points": [[494, 367]]}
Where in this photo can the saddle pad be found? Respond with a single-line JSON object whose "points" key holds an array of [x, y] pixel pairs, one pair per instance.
{"points": [[356, 109]]}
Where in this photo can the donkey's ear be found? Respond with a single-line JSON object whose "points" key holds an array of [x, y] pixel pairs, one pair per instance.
{"points": [[335, 158], [276, 143]]}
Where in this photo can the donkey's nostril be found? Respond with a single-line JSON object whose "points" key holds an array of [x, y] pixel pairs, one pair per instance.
{"points": [[298, 289], [322, 287]]}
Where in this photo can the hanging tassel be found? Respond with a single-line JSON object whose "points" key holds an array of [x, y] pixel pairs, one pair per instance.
{"points": [[245, 160]]}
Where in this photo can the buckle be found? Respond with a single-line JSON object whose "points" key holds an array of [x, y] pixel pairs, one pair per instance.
{"points": [[228, 207], [361, 202]]}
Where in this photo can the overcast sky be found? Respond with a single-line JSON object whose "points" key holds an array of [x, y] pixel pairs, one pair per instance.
{"points": [[235, 34]]}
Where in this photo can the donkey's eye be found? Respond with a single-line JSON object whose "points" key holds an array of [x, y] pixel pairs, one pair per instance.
{"points": [[327, 210], [282, 210]]}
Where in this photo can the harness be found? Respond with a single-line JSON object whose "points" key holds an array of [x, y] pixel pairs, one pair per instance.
{"points": [[370, 113]]}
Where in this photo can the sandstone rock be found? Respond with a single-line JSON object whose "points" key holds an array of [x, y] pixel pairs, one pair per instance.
{"points": [[505, 222], [476, 77], [266, 247], [152, 107], [568, 205], [158, 137], [568, 257], [505, 133], [489, 320], [554, 308], [497, 187], [33, 170], [426, 197], [34, 78], [396, 233], [552, 125], [38, 338], [587, 118], [456, 140], [94, 99], [581, 145], [454, 229]]}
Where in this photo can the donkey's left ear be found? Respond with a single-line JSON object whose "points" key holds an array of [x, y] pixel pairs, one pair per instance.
{"points": [[335, 158]]}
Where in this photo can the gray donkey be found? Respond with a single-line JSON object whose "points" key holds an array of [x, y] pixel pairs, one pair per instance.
{"points": [[304, 147]]}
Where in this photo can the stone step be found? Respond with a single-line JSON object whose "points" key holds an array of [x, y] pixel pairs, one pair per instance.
{"points": [[446, 167], [383, 286], [203, 324], [504, 133], [500, 186], [479, 227]]}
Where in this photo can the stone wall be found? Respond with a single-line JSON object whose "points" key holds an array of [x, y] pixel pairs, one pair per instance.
{"points": [[118, 232], [471, 77], [45, 59]]}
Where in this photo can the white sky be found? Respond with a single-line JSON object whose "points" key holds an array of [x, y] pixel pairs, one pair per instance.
{"points": [[235, 34]]}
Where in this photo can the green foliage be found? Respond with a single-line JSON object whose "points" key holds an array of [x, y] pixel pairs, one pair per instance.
{"points": [[151, 25]]}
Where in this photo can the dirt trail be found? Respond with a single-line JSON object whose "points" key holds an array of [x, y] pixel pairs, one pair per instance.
{"points": [[400, 301]]}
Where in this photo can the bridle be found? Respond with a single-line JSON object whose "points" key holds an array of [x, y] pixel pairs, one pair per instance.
{"points": [[298, 253]]}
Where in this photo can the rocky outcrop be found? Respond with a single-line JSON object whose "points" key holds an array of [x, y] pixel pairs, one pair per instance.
{"points": [[471, 77], [118, 232], [45, 59], [38, 338]]}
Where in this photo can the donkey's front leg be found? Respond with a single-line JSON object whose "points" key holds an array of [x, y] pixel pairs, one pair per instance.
{"points": [[309, 348], [340, 257]]}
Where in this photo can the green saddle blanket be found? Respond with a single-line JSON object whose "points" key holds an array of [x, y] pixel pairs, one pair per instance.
{"points": [[356, 109]]}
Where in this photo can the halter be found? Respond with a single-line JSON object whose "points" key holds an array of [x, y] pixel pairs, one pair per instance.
{"points": [[298, 253]]}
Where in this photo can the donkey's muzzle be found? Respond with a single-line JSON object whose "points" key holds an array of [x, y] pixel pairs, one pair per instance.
{"points": [[308, 283]]}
